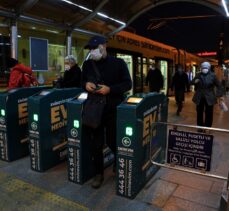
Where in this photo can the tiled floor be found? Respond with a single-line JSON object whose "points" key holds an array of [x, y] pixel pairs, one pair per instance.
{"points": [[168, 190]]}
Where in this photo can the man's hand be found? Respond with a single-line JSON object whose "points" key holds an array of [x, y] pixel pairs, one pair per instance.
{"points": [[197, 81], [104, 90], [90, 87]]}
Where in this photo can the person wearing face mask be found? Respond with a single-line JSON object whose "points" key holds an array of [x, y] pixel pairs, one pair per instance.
{"points": [[181, 84], [72, 73], [114, 82], [205, 95], [154, 78]]}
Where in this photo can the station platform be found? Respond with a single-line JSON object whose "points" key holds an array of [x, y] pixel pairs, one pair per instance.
{"points": [[169, 190]]}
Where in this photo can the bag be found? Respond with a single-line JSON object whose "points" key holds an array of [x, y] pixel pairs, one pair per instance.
{"points": [[223, 106], [93, 110]]}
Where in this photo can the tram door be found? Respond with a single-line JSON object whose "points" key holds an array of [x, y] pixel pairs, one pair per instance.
{"points": [[164, 70], [129, 61]]}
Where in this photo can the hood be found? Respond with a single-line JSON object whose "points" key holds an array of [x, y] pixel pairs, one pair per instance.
{"points": [[23, 68]]}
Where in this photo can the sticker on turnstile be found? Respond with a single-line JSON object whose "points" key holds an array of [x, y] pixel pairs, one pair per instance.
{"points": [[43, 93], [83, 96], [134, 100]]}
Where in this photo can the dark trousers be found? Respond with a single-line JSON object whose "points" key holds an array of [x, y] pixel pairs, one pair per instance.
{"points": [[179, 97], [203, 106], [105, 132]]}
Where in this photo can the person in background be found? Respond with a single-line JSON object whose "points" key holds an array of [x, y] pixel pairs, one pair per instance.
{"points": [[72, 73], [20, 75], [154, 78], [205, 96], [180, 83], [115, 81]]}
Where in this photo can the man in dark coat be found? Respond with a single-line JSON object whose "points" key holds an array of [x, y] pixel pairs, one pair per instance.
{"points": [[114, 82], [205, 96], [180, 83], [72, 74], [154, 78]]}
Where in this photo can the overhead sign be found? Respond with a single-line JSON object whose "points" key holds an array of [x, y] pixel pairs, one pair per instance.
{"points": [[192, 150], [213, 53]]}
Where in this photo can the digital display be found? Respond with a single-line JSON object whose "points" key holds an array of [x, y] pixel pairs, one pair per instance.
{"points": [[83, 96], [44, 93], [134, 100]]}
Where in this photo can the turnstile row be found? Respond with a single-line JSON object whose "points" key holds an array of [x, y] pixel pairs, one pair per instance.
{"points": [[53, 129]]}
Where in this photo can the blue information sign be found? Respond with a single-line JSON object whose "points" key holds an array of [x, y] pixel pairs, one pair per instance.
{"points": [[192, 150]]}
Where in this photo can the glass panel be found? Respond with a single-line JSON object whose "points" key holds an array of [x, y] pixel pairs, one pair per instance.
{"points": [[164, 71], [129, 61]]}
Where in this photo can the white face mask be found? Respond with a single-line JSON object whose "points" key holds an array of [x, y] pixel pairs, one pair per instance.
{"points": [[67, 67], [96, 54], [204, 71]]}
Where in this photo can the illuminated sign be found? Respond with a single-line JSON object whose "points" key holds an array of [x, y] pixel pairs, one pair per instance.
{"points": [[213, 53], [134, 100]]}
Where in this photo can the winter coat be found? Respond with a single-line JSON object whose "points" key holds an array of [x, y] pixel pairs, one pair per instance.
{"points": [[205, 88], [155, 80], [17, 76]]}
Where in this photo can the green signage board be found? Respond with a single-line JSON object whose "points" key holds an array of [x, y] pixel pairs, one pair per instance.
{"points": [[139, 139], [14, 137], [47, 127], [80, 165]]}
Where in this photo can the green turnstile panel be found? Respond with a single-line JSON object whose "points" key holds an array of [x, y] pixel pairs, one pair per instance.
{"points": [[138, 140], [80, 165], [47, 127], [14, 137]]}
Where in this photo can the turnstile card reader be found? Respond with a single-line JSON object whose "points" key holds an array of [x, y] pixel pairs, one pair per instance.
{"points": [[80, 165], [47, 127], [14, 136], [138, 140]]}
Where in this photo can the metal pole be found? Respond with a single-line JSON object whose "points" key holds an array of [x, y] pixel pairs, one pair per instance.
{"points": [[14, 41], [189, 171], [194, 126], [69, 43]]}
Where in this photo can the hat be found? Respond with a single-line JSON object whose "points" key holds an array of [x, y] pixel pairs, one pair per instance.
{"points": [[11, 62], [95, 41], [205, 65]]}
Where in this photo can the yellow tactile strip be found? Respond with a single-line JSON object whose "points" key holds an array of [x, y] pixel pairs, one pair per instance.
{"points": [[18, 195]]}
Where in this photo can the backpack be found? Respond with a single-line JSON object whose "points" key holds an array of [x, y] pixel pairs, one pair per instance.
{"points": [[29, 80]]}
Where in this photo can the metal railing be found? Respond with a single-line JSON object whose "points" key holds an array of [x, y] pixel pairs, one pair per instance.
{"points": [[173, 166]]}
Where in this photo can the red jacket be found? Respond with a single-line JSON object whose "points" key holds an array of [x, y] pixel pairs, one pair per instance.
{"points": [[17, 76]]}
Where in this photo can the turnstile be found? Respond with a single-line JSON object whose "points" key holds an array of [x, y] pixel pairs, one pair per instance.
{"points": [[14, 137], [137, 139], [47, 127], [80, 165]]}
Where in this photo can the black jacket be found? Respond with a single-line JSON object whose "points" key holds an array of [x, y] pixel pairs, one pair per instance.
{"points": [[205, 88], [155, 80], [72, 77], [180, 81], [114, 74]]}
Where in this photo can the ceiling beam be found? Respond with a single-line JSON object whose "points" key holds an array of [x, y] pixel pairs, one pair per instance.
{"points": [[161, 2], [26, 6], [91, 15], [45, 22]]}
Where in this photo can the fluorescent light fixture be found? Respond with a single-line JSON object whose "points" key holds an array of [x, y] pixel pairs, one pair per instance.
{"points": [[19, 36], [98, 13], [225, 7], [33, 27], [106, 16], [77, 5], [52, 31]]}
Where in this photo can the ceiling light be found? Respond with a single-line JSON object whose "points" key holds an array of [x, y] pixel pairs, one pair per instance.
{"points": [[98, 13], [77, 5], [19, 36], [225, 7], [52, 31], [106, 16]]}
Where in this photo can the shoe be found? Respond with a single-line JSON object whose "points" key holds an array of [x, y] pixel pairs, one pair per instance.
{"points": [[97, 181]]}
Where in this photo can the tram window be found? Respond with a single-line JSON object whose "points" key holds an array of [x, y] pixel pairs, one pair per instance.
{"points": [[145, 69]]}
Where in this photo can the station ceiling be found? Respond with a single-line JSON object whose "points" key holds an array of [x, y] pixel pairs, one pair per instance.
{"points": [[89, 16], [107, 17]]}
